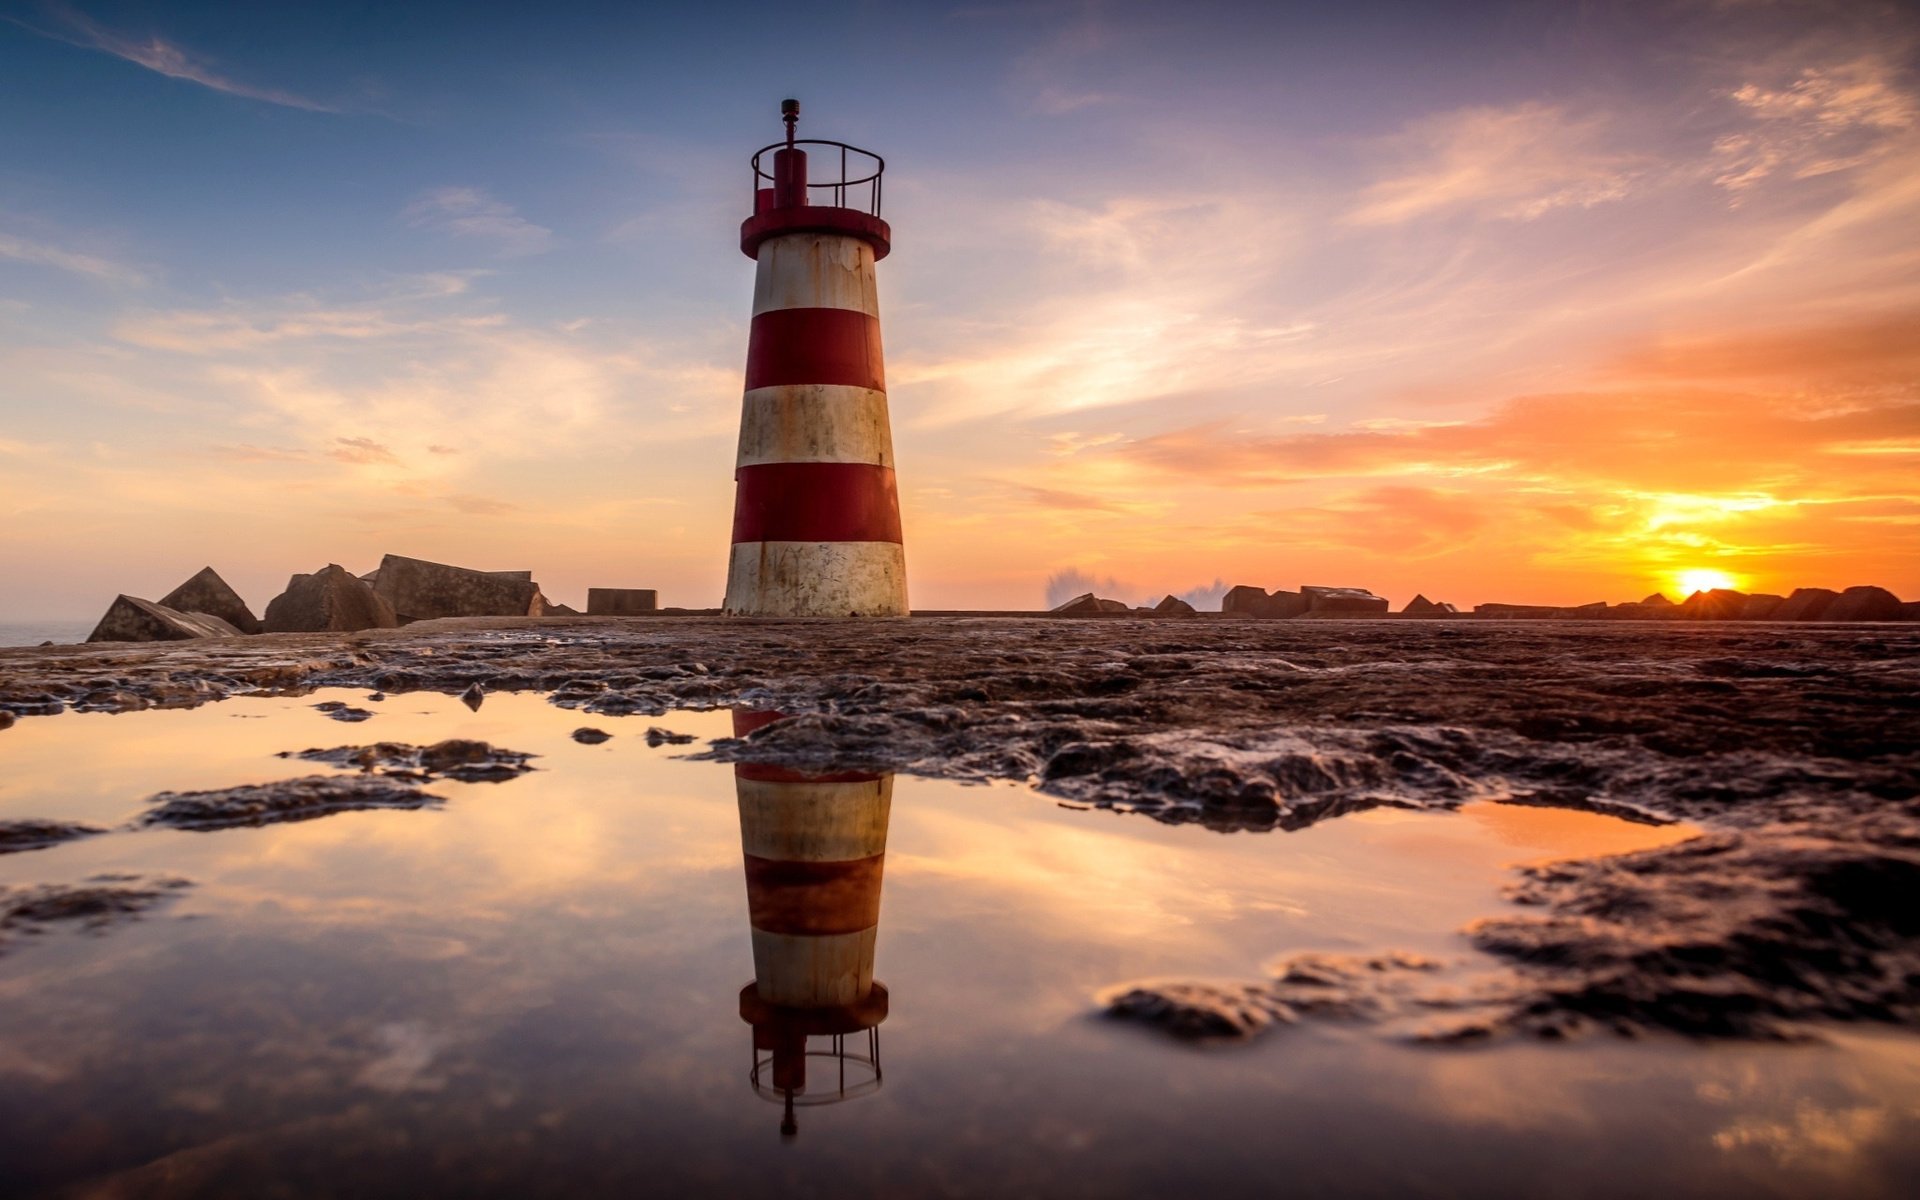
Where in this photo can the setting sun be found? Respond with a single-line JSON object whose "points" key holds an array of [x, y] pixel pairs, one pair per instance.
{"points": [[1703, 580]]}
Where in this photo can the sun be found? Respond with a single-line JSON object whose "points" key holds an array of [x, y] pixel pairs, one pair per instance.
{"points": [[1703, 579]]}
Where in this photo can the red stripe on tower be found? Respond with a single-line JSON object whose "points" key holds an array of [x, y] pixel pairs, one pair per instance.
{"points": [[815, 345]]}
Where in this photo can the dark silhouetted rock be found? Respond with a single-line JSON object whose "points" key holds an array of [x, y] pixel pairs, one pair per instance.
{"points": [[621, 602], [1909, 611], [1174, 606], [38, 835], [1342, 602], [456, 758], [1864, 604], [418, 590], [1596, 611], [1420, 606], [474, 696], [207, 593], [1806, 604], [1516, 612], [97, 904], [586, 735], [1719, 604], [1203, 1010], [1657, 600], [1088, 605], [1761, 606], [131, 619], [6, 719], [330, 600], [657, 736], [283, 800]]}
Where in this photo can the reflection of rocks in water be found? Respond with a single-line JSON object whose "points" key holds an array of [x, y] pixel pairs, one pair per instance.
{"points": [[342, 711], [1766, 933], [814, 845], [456, 758], [38, 835], [97, 904], [1752, 934], [1409, 994], [283, 800]]}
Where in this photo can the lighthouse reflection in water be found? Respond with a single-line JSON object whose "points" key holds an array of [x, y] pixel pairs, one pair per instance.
{"points": [[814, 846]]}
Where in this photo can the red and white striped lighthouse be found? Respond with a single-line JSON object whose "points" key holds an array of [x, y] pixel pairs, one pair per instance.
{"points": [[816, 515], [814, 846]]}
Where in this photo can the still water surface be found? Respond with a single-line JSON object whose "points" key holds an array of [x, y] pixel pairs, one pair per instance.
{"points": [[537, 990]]}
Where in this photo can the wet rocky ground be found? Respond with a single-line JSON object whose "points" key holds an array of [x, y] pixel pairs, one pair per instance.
{"points": [[1796, 747]]}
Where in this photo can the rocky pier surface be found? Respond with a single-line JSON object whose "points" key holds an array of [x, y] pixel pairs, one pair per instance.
{"points": [[1795, 746]]}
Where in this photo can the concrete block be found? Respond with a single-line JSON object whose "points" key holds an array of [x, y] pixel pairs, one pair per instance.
{"points": [[1342, 602], [1515, 612], [207, 593], [131, 619], [621, 602], [1174, 606], [419, 590], [330, 600]]}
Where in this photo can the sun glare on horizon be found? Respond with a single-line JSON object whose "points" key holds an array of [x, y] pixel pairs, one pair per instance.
{"points": [[1703, 579]]}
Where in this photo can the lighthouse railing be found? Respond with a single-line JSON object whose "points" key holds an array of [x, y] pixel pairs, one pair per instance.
{"points": [[857, 186]]}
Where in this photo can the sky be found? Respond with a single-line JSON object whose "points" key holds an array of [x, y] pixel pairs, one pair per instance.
{"points": [[1525, 302]]}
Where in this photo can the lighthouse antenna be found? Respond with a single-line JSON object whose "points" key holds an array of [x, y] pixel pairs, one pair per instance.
{"points": [[790, 113]]}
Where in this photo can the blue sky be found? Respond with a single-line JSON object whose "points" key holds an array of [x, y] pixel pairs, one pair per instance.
{"points": [[1269, 293]]}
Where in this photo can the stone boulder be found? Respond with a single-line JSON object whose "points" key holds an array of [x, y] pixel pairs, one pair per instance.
{"points": [[131, 619], [1342, 602], [1761, 606], [1864, 604], [207, 593], [621, 602], [1806, 604], [1718, 604], [330, 600], [1910, 611], [418, 590], [1174, 606], [1657, 600]]}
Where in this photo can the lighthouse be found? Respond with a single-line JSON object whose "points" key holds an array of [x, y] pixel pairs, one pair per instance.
{"points": [[814, 845], [816, 513]]}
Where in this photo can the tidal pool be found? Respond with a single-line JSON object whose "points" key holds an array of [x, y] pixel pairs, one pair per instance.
{"points": [[589, 980]]}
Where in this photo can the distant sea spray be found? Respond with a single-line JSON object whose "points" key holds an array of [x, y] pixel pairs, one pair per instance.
{"points": [[1068, 582]]}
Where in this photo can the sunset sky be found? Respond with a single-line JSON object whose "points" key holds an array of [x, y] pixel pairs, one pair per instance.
{"points": [[1525, 302]]}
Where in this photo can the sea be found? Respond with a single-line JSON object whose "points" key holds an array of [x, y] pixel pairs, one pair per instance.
{"points": [[32, 633]]}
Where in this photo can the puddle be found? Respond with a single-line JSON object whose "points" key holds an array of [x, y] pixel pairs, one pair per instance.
{"points": [[626, 972]]}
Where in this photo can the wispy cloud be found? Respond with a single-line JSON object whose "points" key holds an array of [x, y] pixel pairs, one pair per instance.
{"points": [[473, 213], [1515, 163], [20, 249], [158, 55], [362, 450], [1827, 119]]}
